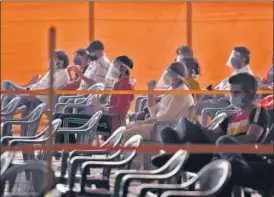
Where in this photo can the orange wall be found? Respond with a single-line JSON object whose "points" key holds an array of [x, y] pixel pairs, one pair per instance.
{"points": [[148, 32]]}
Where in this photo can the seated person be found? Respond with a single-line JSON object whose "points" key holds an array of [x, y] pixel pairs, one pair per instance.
{"points": [[239, 60], [186, 52], [60, 62], [96, 71], [81, 59], [119, 104], [170, 107], [245, 126], [190, 78]]}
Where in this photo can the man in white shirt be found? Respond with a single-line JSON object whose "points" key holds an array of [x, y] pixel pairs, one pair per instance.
{"points": [[61, 78], [97, 69], [239, 60]]}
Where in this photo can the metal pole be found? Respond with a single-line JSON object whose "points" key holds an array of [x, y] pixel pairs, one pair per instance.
{"points": [[91, 27], [189, 23], [51, 96]]}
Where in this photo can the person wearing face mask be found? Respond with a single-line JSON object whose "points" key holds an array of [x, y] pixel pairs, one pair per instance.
{"points": [[61, 78], [239, 60], [170, 107], [245, 126], [82, 60], [119, 104], [97, 69]]}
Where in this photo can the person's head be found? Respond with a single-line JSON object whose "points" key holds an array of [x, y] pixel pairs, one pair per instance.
{"points": [[96, 50], [175, 74], [81, 58], [121, 66], [192, 66], [243, 88], [60, 60], [184, 52], [239, 58]]}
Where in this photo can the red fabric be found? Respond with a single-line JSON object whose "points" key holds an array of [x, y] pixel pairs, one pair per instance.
{"points": [[267, 102], [120, 103]]}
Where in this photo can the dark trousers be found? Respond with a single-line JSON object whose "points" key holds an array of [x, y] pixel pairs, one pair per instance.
{"points": [[78, 120]]}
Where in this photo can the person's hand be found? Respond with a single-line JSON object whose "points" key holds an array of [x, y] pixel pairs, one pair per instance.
{"points": [[95, 101], [151, 84]]}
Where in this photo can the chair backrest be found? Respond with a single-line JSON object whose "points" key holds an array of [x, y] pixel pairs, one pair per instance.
{"points": [[128, 155], [87, 136], [216, 121], [115, 138], [11, 107], [138, 103], [213, 176], [34, 117], [268, 135], [19, 184], [173, 167]]}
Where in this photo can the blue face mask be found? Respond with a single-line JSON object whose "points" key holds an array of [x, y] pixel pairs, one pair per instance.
{"points": [[77, 61], [237, 101]]}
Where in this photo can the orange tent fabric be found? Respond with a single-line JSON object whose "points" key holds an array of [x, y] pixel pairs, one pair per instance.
{"points": [[149, 32]]}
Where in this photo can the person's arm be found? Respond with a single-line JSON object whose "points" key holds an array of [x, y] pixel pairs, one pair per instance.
{"points": [[122, 101], [89, 81], [175, 107], [258, 120], [73, 85]]}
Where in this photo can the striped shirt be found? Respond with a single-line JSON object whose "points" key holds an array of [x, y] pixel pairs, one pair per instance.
{"points": [[97, 70], [239, 122]]}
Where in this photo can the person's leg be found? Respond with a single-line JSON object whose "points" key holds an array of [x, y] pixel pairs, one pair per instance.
{"points": [[195, 161], [8, 85], [145, 131]]}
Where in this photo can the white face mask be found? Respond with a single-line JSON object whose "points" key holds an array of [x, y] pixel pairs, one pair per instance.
{"points": [[167, 80], [115, 73]]}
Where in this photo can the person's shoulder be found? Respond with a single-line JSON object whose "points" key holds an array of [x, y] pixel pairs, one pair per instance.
{"points": [[124, 85]]}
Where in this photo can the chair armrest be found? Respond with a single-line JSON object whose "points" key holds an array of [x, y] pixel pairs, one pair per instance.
{"points": [[17, 141], [16, 122], [186, 194], [62, 99], [77, 161], [160, 188], [71, 131], [110, 114], [73, 106], [87, 153], [98, 164], [6, 139]]}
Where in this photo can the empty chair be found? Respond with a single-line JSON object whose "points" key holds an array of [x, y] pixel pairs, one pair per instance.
{"points": [[29, 124], [117, 160], [210, 181], [9, 110], [112, 141], [41, 138], [6, 159]]}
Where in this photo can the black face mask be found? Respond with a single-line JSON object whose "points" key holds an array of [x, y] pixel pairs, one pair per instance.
{"points": [[93, 58]]}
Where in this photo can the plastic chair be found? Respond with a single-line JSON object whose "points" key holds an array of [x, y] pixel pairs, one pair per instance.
{"points": [[41, 138], [207, 111], [9, 110], [216, 121], [170, 173], [209, 181], [118, 160], [29, 124], [112, 141], [97, 86], [20, 186]]}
